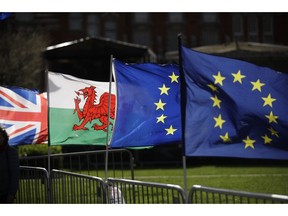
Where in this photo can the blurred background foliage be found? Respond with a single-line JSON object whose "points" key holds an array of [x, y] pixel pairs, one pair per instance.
{"points": [[37, 150], [21, 58]]}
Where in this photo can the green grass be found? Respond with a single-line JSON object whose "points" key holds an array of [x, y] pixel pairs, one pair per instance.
{"points": [[258, 179], [271, 180]]}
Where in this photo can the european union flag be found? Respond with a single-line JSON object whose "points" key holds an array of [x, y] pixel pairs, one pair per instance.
{"points": [[4, 15], [234, 108], [148, 105]]}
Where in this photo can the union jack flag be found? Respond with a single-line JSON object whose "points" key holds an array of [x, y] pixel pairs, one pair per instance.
{"points": [[23, 113]]}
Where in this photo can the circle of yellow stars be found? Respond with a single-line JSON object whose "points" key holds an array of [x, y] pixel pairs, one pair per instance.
{"points": [[257, 85], [160, 105]]}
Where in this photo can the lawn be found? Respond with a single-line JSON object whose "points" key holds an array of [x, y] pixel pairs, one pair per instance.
{"points": [[259, 179]]}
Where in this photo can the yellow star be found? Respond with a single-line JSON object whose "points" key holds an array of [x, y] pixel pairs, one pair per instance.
{"points": [[213, 87], [272, 118], [216, 101], [257, 85], [238, 77], [160, 105], [161, 119], [225, 138], [249, 143], [273, 132], [268, 100], [267, 140], [219, 121], [174, 78], [219, 78], [170, 130], [164, 90]]}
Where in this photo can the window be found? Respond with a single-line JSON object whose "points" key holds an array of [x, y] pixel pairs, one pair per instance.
{"points": [[142, 37], [24, 17], [141, 17], [92, 25], [193, 40], [268, 29], [141, 33], [75, 22], [172, 42], [175, 17], [209, 17], [174, 27], [237, 26], [209, 37], [253, 28], [111, 29]]}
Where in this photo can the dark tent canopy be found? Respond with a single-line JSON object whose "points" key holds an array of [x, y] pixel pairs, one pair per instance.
{"points": [[89, 58]]}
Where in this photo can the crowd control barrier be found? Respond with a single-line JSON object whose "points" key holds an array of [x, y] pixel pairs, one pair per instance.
{"points": [[208, 195], [120, 162], [37, 186], [33, 186], [73, 188], [137, 192]]}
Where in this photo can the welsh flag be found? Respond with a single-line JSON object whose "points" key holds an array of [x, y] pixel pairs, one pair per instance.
{"points": [[78, 110]]}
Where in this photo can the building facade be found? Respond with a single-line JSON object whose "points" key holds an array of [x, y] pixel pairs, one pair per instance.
{"points": [[159, 30]]}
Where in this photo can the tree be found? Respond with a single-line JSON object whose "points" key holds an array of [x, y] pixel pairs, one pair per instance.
{"points": [[21, 59]]}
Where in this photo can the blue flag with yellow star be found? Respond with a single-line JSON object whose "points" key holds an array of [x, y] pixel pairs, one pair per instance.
{"points": [[233, 108], [148, 105]]}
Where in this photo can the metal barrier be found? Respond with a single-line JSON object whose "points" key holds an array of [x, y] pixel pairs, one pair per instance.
{"points": [[207, 195], [120, 162], [36, 186], [137, 192], [73, 188], [33, 185]]}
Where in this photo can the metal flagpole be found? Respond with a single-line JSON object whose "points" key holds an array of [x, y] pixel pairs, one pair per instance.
{"points": [[47, 87], [48, 130], [183, 105], [109, 104], [185, 176]]}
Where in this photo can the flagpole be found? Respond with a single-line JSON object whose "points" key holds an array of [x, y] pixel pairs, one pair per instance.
{"points": [[47, 87], [109, 105], [48, 130], [183, 105]]}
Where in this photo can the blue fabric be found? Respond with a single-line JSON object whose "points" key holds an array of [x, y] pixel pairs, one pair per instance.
{"points": [[246, 117], [137, 91], [4, 15]]}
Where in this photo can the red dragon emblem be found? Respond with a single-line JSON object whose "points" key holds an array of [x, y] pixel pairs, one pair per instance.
{"points": [[92, 111]]}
